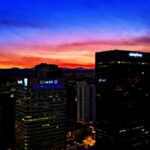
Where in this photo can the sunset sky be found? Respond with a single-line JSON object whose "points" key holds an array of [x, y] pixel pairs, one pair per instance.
{"points": [[69, 32]]}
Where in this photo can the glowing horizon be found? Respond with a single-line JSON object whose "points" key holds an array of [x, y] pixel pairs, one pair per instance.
{"points": [[68, 34]]}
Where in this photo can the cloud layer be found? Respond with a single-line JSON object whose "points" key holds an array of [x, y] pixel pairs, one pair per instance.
{"points": [[77, 54]]}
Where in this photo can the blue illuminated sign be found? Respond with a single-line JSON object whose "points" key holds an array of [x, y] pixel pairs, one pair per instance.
{"points": [[58, 86]]}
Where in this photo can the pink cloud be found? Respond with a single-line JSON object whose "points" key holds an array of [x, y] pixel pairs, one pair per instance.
{"points": [[75, 54]]}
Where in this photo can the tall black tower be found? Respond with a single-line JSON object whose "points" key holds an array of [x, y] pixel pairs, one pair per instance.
{"points": [[122, 100]]}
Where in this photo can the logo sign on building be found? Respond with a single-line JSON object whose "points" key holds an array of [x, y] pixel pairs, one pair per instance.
{"points": [[20, 82], [49, 82], [135, 55], [23, 82], [102, 80]]}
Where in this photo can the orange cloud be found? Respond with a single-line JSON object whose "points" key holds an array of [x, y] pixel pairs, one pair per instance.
{"points": [[76, 54], [28, 62]]}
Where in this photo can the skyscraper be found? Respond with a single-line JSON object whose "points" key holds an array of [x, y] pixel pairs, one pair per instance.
{"points": [[85, 102], [7, 121], [40, 113], [122, 100]]}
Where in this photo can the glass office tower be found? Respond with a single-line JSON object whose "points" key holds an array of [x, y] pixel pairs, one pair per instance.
{"points": [[40, 114], [122, 100]]}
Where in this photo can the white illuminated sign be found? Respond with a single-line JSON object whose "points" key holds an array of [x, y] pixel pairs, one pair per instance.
{"points": [[102, 80], [19, 81], [25, 81], [135, 55], [49, 82]]}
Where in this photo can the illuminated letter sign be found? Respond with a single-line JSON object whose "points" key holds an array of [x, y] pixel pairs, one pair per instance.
{"points": [[102, 80], [25, 81], [49, 82], [19, 81], [135, 55], [55, 81]]}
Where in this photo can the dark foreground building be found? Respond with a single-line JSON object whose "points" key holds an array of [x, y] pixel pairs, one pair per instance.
{"points": [[123, 100], [41, 112], [7, 122]]}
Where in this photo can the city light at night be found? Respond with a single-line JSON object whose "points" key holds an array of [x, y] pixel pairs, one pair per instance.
{"points": [[74, 74]]}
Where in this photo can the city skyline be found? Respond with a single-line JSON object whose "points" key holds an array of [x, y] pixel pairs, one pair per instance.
{"points": [[69, 32]]}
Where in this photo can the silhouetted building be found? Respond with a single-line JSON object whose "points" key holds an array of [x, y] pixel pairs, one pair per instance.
{"points": [[71, 102], [72, 76], [122, 100], [44, 70], [86, 102], [7, 119], [41, 113]]}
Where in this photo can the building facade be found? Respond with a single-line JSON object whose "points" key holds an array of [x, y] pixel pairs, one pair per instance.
{"points": [[40, 122], [86, 102], [122, 100]]}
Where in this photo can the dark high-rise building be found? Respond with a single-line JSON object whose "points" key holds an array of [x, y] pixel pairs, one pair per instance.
{"points": [[44, 70], [40, 113], [122, 100], [7, 119], [71, 102]]}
